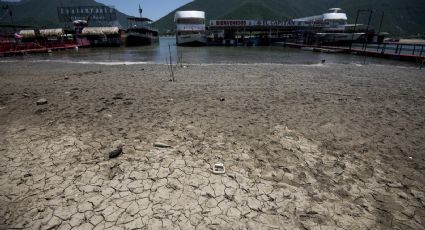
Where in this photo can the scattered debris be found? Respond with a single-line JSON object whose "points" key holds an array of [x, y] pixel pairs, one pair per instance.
{"points": [[161, 145], [41, 111], [118, 96], [1, 108], [170, 99], [116, 153], [28, 175], [42, 101], [219, 169]]}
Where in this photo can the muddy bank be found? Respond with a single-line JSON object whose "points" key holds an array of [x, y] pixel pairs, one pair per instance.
{"points": [[338, 146]]}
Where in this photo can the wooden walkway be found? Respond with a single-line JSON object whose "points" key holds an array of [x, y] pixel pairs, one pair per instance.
{"points": [[359, 51]]}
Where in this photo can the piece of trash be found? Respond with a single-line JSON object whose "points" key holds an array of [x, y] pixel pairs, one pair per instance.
{"points": [[1, 108], [66, 78], [222, 99], [161, 145], [28, 175], [115, 153], [170, 99], [219, 169], [42, 101], [323, 61], [108, 115], [185, 66], [26, 95], [411, 158]]}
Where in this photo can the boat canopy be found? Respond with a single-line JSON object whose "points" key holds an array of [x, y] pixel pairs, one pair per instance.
{"points": [[52, 32], [189, 14], [333, 14], [27, 33], [99, 31]]}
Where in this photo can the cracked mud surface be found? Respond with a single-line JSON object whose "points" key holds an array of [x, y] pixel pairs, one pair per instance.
{"points": [[313, 147]]}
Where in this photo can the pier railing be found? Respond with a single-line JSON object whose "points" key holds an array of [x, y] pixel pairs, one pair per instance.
{"points": [[393, 49]]}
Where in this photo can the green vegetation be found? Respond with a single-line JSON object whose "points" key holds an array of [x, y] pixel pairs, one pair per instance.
{"points": [[43, 13], [401, 17]]}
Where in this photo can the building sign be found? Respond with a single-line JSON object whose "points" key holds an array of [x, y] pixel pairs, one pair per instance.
{"points": [[94, 13], [190, 27], [265, 23], [236, 23]]}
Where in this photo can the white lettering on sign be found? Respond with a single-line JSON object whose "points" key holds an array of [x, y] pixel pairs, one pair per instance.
{"points": [[190, 27]]}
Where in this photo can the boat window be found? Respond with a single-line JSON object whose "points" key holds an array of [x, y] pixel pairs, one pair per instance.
{"points": [[335, 10], [190, 21]]}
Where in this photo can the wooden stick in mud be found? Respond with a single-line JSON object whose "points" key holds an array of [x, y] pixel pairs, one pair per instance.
{"points": [[171, 63]]}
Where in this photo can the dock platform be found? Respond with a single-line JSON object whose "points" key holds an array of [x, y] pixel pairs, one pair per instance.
{"points": [[404, 52]]}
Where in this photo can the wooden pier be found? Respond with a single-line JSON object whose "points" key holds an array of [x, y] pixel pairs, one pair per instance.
{"points": [[398, 51]]}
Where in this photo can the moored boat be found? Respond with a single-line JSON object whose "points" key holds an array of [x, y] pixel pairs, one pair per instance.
{"points": [[190, 28], [334, 26], [140, 32]]}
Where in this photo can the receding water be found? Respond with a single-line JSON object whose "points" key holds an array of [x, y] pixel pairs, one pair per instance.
{"points": [[201, 55]]}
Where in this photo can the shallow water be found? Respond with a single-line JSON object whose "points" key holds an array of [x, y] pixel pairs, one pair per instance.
{"points": [[200, 55]]}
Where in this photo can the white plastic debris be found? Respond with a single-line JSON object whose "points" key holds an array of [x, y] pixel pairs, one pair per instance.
{"points": [[219, 168]]}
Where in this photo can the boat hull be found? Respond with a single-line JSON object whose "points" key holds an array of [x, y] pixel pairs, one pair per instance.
{"points": [[339, 37], [192, 40], [140, 40]]}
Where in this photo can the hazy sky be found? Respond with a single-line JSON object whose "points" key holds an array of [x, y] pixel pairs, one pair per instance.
{"points": [[153, 9]]}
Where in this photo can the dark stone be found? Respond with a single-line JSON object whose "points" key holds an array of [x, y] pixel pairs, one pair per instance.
{"points": [[118, 96], [116, 153], [41, 111], [28, 175]]}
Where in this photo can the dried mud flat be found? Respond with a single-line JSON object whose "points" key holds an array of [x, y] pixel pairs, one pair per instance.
{"points": [[305, 147]]}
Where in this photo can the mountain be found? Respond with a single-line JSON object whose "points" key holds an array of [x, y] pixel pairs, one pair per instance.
{"points": [[401, 17], [43, 13]]}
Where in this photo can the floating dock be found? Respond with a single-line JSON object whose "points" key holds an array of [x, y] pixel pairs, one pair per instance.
{"points": [[397, 51]]}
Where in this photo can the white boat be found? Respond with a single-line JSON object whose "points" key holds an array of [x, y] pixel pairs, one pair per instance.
{"points": [[334, 26], [335, 18], [338, 37], [190, 28]]}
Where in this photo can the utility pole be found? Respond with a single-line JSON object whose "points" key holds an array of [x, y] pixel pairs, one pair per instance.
{"points": [[367, 29], [355, 25], [354, 30]]}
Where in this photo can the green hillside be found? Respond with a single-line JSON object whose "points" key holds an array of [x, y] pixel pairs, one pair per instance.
{"points": [[43, 13], [401, 17]]}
